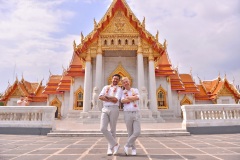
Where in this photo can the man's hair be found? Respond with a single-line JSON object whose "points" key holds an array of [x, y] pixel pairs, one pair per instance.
{"points": [[117, 76], [125, 78]]}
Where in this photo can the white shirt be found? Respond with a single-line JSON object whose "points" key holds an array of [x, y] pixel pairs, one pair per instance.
{"points": [[114, 91], [132, 106], [21, 103]]}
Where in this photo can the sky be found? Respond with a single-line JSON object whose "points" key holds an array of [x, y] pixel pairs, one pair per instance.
{"points": [[36, 37]]}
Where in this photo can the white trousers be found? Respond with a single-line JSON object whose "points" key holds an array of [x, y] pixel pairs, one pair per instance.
{"points": [[109, 116], [132, 120]]}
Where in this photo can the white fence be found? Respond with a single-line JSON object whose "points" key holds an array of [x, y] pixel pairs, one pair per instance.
{"points": [[211, 115], [27, 116]]}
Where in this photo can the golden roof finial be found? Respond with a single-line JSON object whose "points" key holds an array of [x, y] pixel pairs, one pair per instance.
{"points": [[22, 77], [143, 23], [74, 45], [50, 72], [165, 44], [191, 71], [82, 37], [200, 81], [157, 36], [95, 24]]}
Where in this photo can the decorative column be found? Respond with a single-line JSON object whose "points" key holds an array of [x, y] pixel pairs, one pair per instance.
{"points": [[87, 84], [169, 97], [98, 79], [152, 88], [152, 82], [140, 65], [71, 95]]}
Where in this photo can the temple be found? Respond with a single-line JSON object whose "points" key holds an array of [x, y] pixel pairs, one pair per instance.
{"points": [[119, 43]]}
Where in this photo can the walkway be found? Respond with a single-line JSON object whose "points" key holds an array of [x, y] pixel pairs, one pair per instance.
{"points": [[197, 147]]}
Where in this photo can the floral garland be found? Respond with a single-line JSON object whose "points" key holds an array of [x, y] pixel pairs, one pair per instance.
{"points": [[114, 90], [133, 94]]}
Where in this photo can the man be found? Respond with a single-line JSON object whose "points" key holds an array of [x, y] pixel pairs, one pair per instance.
{"points": [[110, 95], [130, 98], [23, 101]]}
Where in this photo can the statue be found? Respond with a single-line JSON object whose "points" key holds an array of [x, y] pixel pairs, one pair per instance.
{"points": [[144, 98], [95, 99]]}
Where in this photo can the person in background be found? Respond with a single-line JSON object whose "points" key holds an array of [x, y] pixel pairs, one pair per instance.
{"points": [[130, 100], [110, 95], [23, 101]]}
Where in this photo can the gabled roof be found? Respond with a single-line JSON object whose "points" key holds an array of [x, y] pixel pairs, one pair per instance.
{"points": [[57, 84], [176, 82], [76, 67], [52, 85], [189, 84], [65, 83], [215, 88], [164, 66], [25, 88], [202, 94], [118, 5]]}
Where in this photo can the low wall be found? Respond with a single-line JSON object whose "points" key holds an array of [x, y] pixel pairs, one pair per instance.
{"points": [[211, 118], [34, 120]]}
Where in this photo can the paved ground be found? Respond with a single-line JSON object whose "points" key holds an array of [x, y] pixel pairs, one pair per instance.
{"points": [[200, 147]]}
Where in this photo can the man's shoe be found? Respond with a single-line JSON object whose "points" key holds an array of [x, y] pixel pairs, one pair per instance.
{"points": [[115, 149], [125, 148], [134, 152], [109, 152]]}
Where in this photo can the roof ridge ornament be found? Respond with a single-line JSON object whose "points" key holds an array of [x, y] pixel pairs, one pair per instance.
{"points": [[143, 23], [95, 24], [74, 45], [82, 37], [157, 36]]}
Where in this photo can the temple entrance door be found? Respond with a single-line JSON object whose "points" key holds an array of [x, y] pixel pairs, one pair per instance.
{"points": [[55, 102]]}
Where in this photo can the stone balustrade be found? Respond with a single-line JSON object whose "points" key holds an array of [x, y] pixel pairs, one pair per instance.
{"points": [[211, 118], [26, 119]]}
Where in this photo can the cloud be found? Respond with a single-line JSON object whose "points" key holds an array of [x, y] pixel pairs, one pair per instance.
{"points": [[37, 36], [29, 40], [202, 35]]}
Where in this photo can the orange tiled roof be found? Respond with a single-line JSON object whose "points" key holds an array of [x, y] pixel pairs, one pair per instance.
{"points": [[112, 10], [214, 88], [76, 67], [64, 84], [202, 94], [24, 88], [52, 85], [190, 86], [176, 82], [164, 67]]}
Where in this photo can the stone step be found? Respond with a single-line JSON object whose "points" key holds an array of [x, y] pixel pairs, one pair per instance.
{"points": [[120, 133]]}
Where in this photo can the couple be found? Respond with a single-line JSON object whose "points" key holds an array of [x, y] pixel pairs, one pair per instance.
{"points": [[111, 95]]}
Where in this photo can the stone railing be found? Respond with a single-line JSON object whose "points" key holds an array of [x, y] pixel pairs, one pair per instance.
{"points": [[211, 115], [26, 117]]}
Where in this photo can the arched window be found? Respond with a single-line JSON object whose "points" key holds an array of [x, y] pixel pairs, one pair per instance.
{"points": [[133, 42], [112, 42], [126, 42], [79, 99], [161, 99], [119, 42], [105, 42]]}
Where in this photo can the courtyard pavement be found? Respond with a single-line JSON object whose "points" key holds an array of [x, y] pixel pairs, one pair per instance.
{"points": [[199, 147]]}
